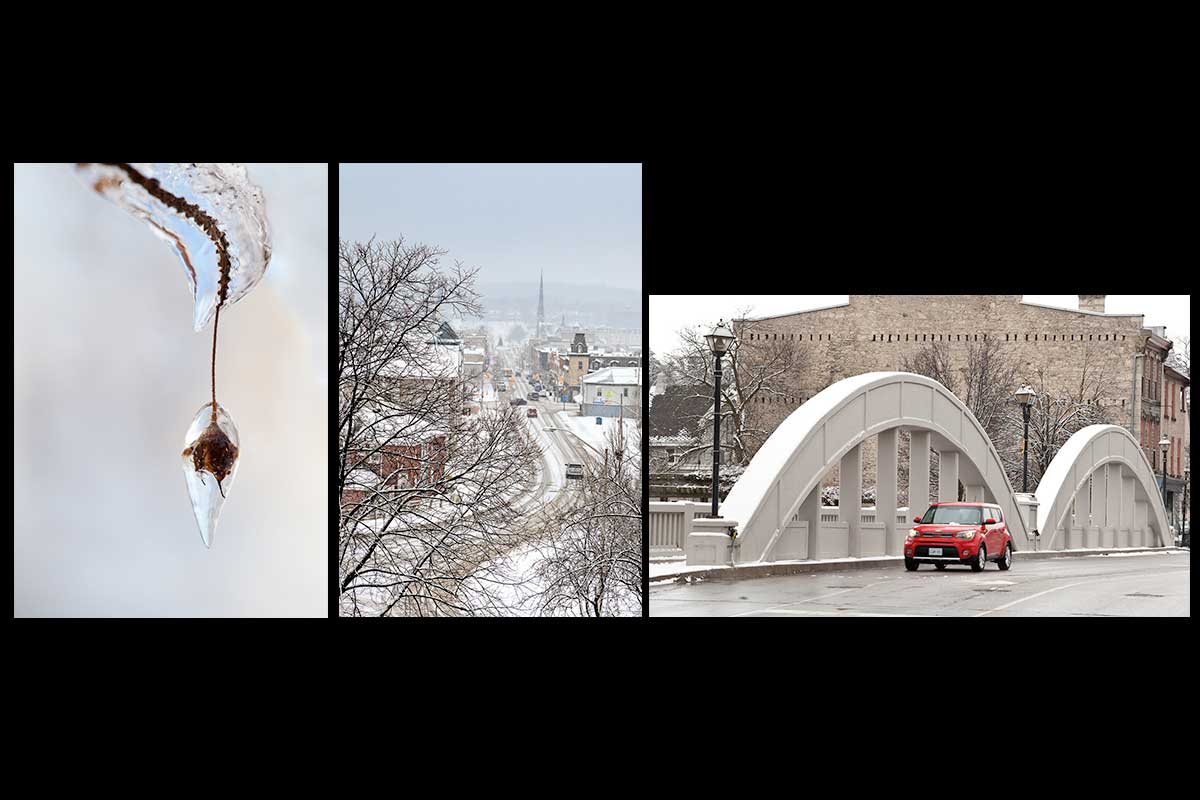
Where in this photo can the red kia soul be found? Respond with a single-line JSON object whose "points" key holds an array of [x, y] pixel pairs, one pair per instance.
{"points": [[959, 533]]}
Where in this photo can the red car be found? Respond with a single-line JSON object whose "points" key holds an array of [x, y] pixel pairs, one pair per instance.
{"points": [[959, 533]]}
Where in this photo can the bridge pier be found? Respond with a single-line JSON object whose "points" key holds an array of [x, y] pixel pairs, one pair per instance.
{"points": [[1083, 519], [885, 492], [1140, 515], [810, 513], [1128, 492], [918, 473], [948, 476], [1100, 507], [850, 498], [1112, 518], [974, 494]]}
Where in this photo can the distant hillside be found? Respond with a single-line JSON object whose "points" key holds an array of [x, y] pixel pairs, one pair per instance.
{"points": [[562, 296]]}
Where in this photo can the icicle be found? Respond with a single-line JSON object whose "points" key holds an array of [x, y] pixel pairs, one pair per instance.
{"points": [[210, 461]]}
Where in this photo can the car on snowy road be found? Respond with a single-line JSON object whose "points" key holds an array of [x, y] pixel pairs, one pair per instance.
{"points": [[531, 412], [970, 534]]}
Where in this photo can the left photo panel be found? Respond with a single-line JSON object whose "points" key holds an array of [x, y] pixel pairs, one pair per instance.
{"points": [[170, 390]]}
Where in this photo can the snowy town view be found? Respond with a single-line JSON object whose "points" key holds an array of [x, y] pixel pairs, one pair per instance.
{"points": [[490, 373]]}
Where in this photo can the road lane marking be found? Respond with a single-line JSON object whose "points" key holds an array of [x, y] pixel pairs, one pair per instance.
{"points": [[1030, 597]]}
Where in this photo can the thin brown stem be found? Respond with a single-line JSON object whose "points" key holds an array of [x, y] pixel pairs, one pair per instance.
{"points": [[216, 321]]}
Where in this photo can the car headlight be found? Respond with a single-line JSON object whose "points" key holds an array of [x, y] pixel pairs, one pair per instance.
{"points": [[912, 533], [965, 534]]}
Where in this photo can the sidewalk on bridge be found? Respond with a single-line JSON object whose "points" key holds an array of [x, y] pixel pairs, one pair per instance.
{"points": [[679, 571]]}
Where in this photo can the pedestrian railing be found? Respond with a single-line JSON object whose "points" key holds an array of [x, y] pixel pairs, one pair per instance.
{"points": [[670, 523]]}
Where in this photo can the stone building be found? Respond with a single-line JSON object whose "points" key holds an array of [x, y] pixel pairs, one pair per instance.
{"points": [[1050, 345], [580, 362]]}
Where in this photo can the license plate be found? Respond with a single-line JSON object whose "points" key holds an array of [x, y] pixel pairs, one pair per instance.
{"points": [[935, 551]]}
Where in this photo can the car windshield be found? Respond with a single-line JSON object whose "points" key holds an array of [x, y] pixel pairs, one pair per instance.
{"points": [[952, 515]]}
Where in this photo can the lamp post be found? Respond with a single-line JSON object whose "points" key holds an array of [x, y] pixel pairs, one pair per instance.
{"points": [[718, 342], [1025, 396], [1163, 445], [1187, 478]]}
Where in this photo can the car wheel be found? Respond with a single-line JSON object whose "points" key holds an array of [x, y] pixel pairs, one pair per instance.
{"points": [[940, 566], [1006, 562], [980, 560], [911, 565]]}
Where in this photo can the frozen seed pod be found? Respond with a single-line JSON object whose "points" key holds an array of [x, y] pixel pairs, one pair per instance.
{"points": [[210, 461], [211, 214]]}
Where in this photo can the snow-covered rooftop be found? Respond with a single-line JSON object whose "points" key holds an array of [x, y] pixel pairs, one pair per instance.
{"points": [[618, 376], [439, 361], [362, 477]]}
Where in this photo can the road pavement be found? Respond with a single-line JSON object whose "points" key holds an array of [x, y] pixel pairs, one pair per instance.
{"points": [[1155, 585]]}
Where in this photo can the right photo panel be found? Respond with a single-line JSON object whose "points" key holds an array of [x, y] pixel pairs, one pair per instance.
{"points": [[919, 456]]}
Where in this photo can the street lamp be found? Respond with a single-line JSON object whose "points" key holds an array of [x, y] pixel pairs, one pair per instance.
{"points": [[1025, 396], [718, 342], [1187, 479], [1163, 445]]}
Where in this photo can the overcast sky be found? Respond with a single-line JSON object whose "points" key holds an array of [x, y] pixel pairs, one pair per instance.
{"points": [[581, 223], [670, 313]]}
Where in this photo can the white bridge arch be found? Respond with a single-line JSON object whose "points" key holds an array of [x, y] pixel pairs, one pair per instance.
{"points": [[1100, 491], [777, 501]]}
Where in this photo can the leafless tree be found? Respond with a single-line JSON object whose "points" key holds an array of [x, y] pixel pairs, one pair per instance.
{"points": [[592, 564], [752, 370], [427, 496], [1060, 410], [986, 382]]}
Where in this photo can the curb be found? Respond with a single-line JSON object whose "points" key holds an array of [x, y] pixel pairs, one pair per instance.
{"points": [[878, 562]]}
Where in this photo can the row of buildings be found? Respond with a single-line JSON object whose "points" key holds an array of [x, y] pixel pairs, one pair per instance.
{"points": [[1128, 364], [607, 382]]}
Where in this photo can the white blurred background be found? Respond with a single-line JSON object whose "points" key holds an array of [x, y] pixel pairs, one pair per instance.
{"points": [[108, 374]]}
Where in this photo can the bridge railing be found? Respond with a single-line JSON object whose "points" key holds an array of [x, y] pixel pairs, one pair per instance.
{"points": [[670, 523]]}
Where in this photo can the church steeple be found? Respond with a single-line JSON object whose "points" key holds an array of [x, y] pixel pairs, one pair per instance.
{"points": [[541, 306]]}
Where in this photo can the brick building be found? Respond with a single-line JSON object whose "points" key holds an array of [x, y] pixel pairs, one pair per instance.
{"points": [[1175, 418], [1050, 345]]}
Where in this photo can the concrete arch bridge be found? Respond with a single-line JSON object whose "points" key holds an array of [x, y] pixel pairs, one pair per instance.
{"points": [[776, 504]]}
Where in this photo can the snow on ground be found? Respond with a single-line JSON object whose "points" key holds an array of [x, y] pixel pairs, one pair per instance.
{"points": [[552, 459], [675, 568], [512, 582], [596, 436]]}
